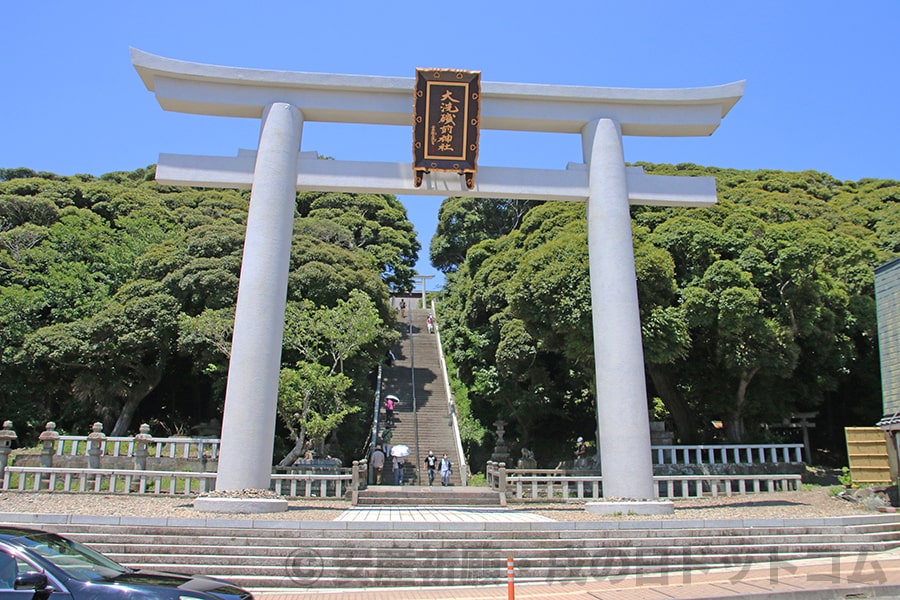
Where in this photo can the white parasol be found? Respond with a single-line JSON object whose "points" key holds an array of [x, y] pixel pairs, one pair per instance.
{"points": [[400, 450], [392, 397]]}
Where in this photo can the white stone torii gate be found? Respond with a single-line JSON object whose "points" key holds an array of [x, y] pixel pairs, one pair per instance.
{"points": [[277, 170]]}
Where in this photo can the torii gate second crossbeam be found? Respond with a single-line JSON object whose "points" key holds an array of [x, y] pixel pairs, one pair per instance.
{"points": [[277, 170]]}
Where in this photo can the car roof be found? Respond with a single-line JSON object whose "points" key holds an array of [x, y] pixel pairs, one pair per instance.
{"points": [[8, 533]]}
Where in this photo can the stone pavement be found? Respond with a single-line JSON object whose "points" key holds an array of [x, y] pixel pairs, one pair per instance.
{"points": [[851, 576], [438, 514]]}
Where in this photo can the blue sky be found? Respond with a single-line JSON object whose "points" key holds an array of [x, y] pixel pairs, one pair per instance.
{"points": [[823, 77]]}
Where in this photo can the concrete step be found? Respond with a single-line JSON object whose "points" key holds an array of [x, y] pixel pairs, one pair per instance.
{"points": [[526, 557], [431, 426], [427, 496], [376, 554], [307, 569], [205, 544]]}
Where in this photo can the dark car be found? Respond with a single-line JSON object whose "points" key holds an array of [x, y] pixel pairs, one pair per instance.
{"points": [[41, 565]]}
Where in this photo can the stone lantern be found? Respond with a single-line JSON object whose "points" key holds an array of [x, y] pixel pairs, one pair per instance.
{"points": [[48, 438], [501, 452], [7, 435], [95, 445], [141, 442]]}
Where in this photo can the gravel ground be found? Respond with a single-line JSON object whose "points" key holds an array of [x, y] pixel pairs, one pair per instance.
{"points": [[807, 503]]}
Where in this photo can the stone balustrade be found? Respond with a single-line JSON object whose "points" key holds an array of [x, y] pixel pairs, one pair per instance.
{"points": [[135, 481], [97, 448], [725, 454], [562, 484]]}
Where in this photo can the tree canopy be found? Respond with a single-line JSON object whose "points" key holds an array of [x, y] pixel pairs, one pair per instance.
{"points": [[754, 308], [117, 299]]}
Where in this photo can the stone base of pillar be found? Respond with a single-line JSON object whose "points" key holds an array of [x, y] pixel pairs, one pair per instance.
{"points": [[631, 507], [241, 505]]}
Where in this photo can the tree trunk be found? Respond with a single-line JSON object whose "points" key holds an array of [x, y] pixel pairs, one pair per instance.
{"points": [[296, 452], [299, 436], [664, 382], [132, 401], [126, 415], [734, 426]]}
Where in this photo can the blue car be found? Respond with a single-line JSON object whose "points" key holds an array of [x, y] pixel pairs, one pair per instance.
{"points": [[40, 565]]}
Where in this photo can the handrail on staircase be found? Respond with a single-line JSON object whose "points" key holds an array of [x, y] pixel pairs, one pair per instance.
{"points": [[373, 441], [451, 405]]}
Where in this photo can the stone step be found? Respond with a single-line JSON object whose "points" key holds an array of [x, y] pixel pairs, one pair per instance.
{"points": [[494, 538], [338, 554], [306, 569], [583, 533], [527, 557], [432, 425], [427, 496]]}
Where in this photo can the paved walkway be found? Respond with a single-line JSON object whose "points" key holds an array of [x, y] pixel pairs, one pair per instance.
{"points": [[852, 576], [439, 514]]}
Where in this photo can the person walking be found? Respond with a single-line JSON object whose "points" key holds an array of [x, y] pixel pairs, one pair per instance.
{"points": [[378, 464], [430, 323], [389, 411], [403, 308], [431, 463], [446, 470], [580, 452], [398, 470]]}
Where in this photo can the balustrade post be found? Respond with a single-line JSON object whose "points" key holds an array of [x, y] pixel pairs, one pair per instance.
{"points": [[48, 438], [501, 478], [141, 443], [95, 445], [7, 435]]}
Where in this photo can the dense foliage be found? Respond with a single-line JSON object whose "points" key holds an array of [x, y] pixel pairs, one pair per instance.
{"points": [[117, 300], [752, 309]]}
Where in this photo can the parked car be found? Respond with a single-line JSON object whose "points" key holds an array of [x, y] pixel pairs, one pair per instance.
{"points": [[41, 565]]}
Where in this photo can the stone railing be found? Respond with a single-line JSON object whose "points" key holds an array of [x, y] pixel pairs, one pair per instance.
{"points": [[122, 481], [728, 454], [158, 447], [318, 480], [118, 452], [109, 481], [558, 484]]}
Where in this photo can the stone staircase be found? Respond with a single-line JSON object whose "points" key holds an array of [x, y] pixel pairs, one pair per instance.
{"points": [[417, 370], [394, 495], [278, 554]]}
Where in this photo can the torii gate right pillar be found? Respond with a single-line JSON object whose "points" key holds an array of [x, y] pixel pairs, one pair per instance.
{"points": [[625, 452]]}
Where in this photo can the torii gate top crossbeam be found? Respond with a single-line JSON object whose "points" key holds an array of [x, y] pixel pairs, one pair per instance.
{"points": [[197, 88]]}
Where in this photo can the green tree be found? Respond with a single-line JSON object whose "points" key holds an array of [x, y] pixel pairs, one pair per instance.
{"points": [[374, 223], [463, 222], [311, 394], [117, 294], [750, 309], [114, 359]]}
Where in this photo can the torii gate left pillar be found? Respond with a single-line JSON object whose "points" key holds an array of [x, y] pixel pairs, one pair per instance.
{"points": [[285, 100]]}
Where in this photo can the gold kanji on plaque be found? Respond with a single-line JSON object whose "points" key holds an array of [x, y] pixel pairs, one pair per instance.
{"points": [[445, 126]]}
